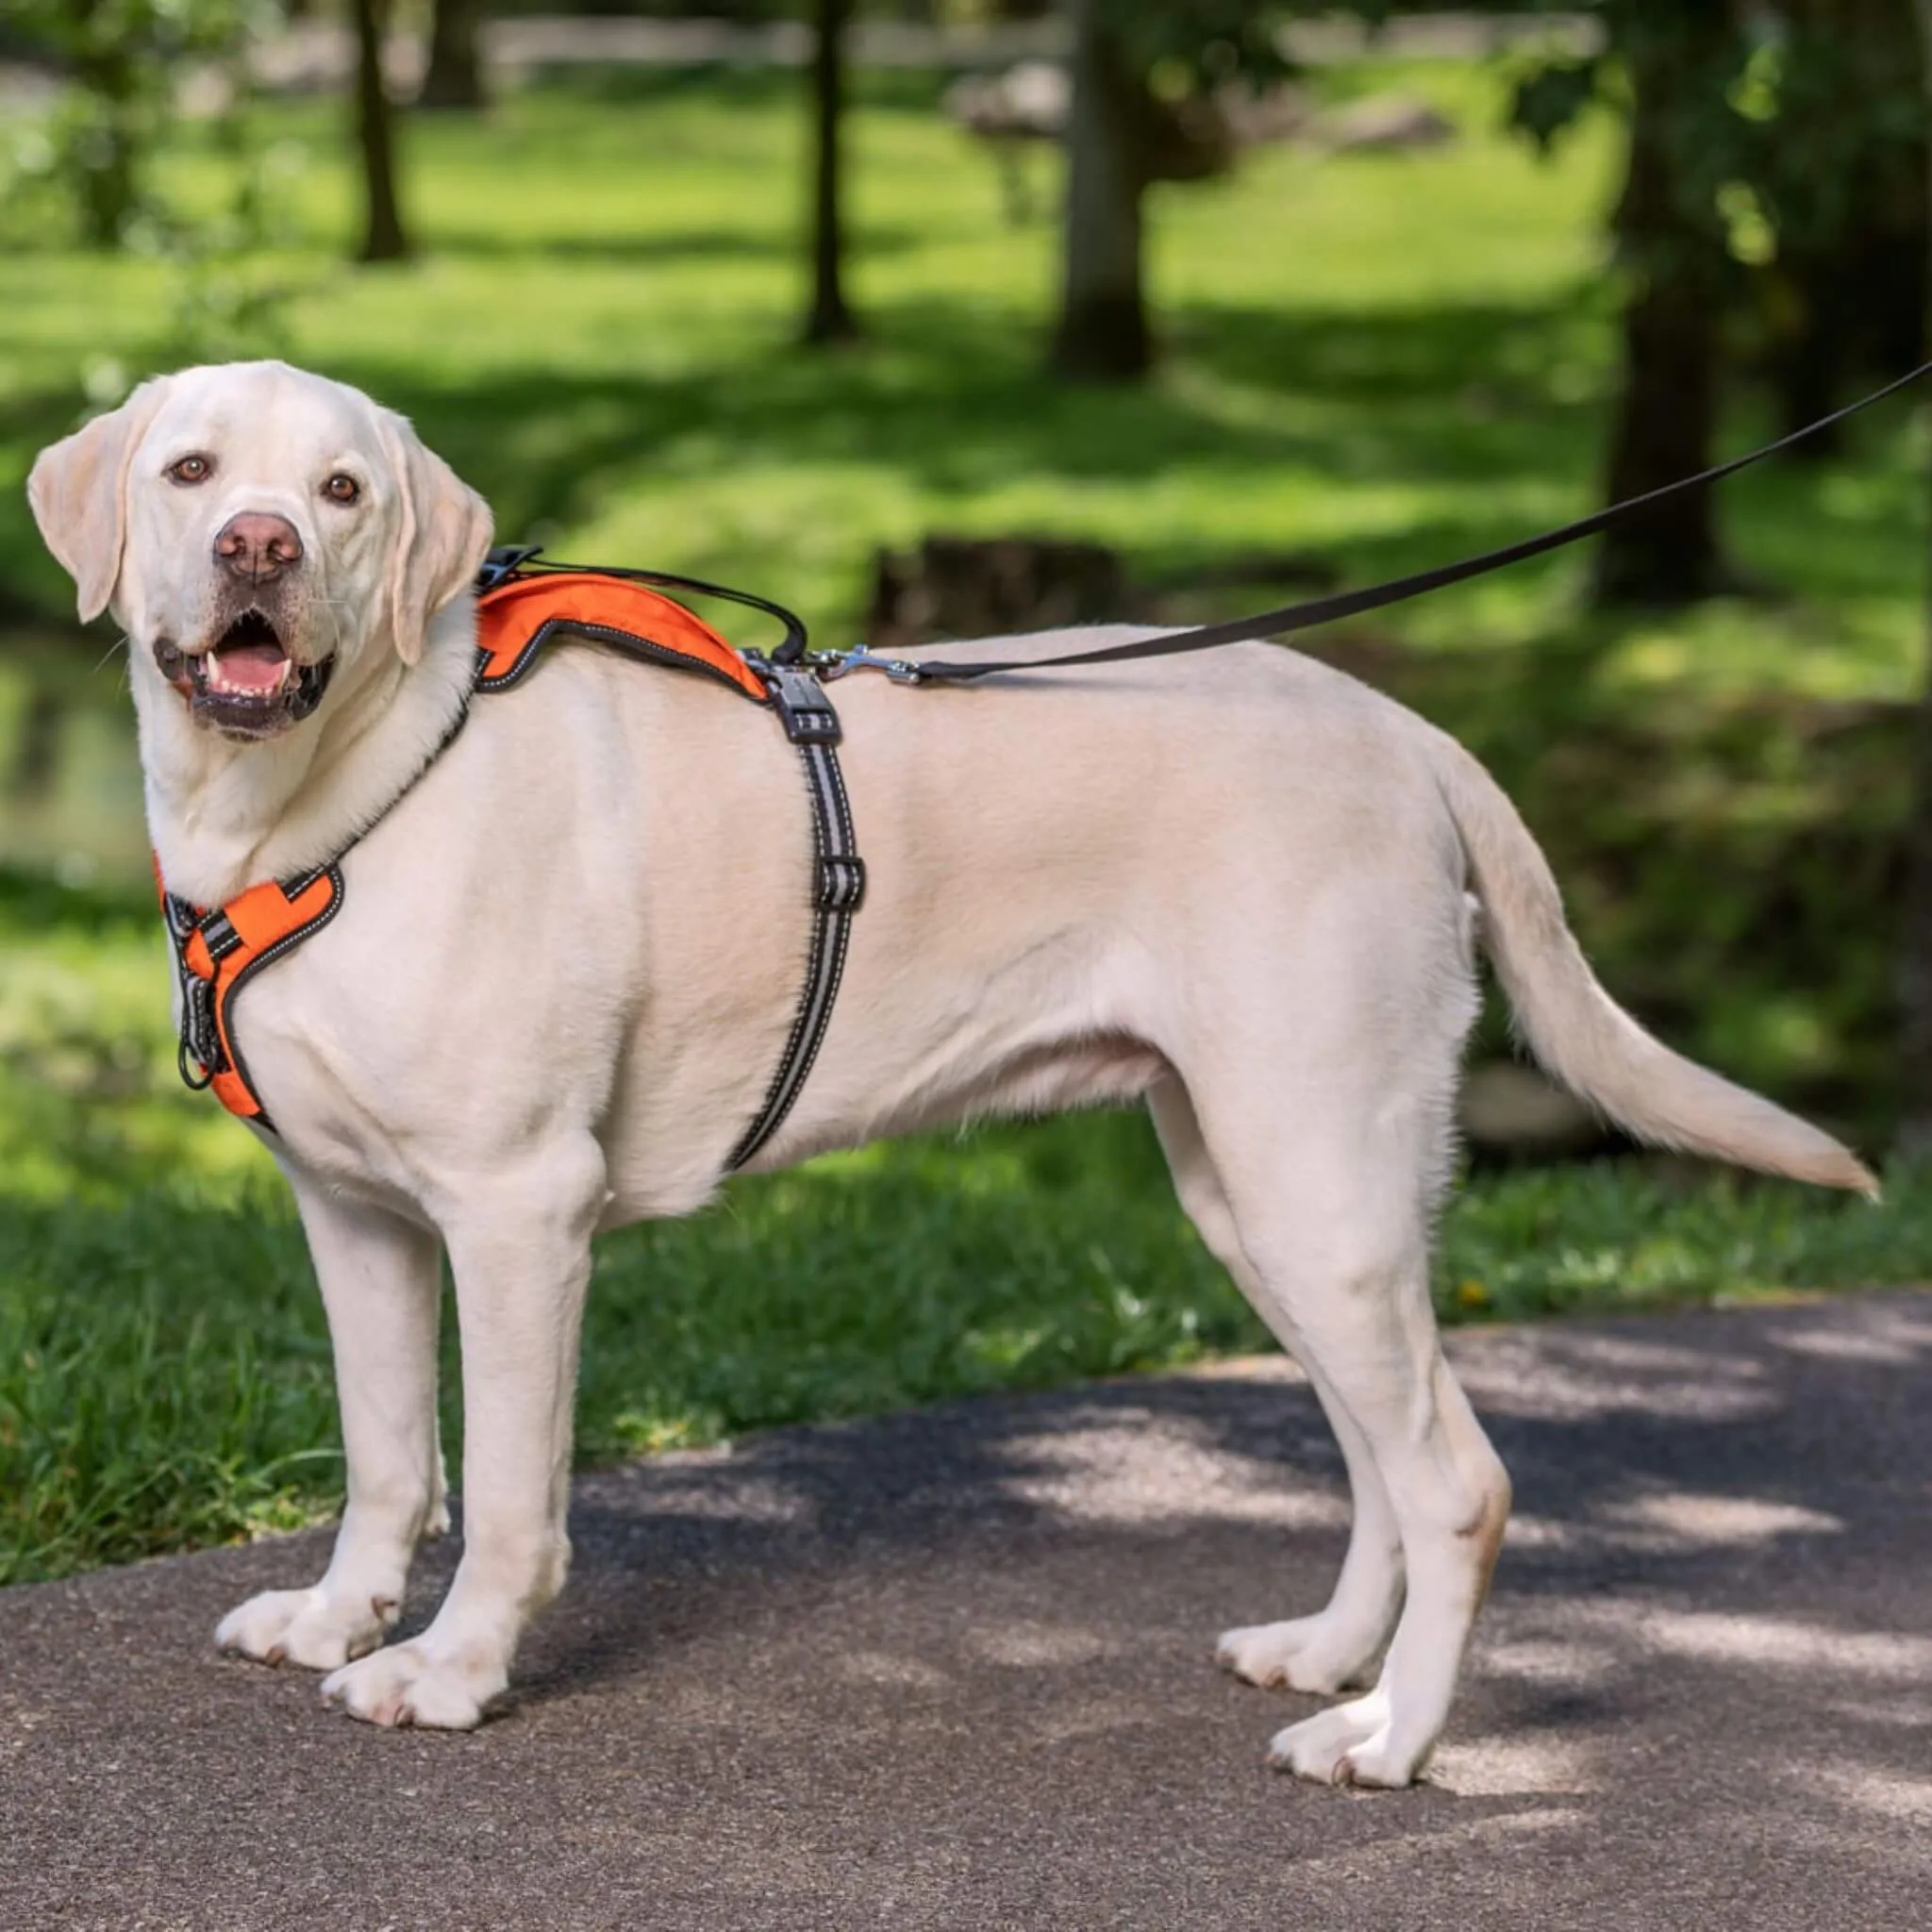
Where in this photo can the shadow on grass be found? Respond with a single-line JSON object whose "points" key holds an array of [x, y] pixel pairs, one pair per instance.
{"points": [[954, 401], [952, 404], [879, 242], [164, 1372]]}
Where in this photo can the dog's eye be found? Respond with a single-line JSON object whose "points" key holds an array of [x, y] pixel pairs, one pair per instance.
{"points": [[191, 469], [342, 488]]}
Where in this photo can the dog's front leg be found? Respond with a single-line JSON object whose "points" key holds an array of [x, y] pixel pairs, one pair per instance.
{"points": [[380, 1276], [519, 1246]]}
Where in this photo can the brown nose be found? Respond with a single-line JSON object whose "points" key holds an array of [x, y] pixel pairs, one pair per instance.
{"points": [[255, 544]]}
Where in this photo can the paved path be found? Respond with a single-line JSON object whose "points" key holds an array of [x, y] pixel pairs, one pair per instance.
{"points": [[951, 1669]]}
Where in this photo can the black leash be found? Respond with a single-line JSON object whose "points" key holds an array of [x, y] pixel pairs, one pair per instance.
{"points": [[1319, 611], [795, 676]]}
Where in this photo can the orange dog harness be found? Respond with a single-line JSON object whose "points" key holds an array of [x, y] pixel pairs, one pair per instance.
{"points": [[520, 609]]}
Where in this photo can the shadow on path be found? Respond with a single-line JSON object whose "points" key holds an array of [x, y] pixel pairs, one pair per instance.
{"points": [[951, 1669]]}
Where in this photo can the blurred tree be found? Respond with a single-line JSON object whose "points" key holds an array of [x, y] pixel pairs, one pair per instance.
{"points": [[107, 65], [1145, 73], [1915, 955], [1793, 128], [383, 236], [830, 318], [1672, 243], [453, 79], [1675, 70], [37, 741], [123, 56], [1844, 169], [1103, 331]]}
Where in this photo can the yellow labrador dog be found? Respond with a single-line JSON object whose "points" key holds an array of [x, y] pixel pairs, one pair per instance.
{"points": [[1239, 886]]}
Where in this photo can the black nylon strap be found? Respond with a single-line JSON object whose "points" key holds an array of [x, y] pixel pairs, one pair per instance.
{"points": [[199, 1053], [798, 700], [837, 887], [1319, 611]]}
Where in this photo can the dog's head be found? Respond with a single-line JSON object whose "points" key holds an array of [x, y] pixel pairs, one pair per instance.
{"points": [[257, 531]]}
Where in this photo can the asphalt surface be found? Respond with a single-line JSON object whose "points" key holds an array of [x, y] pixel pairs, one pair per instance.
{"points": [[952, 1670]]}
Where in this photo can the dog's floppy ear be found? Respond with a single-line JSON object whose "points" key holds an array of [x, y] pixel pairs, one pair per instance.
{"points": [[79, 490], [445, 534]]}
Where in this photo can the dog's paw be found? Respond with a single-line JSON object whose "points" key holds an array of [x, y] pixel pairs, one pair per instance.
{"points": [[319, 1630], [413, 1685], [1350, 1744], [1309, 1654]]}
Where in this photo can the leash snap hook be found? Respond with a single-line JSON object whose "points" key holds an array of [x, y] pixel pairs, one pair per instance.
{"points": [[834, 664]]}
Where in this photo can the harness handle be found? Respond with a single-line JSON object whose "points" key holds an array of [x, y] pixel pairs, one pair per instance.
{"points": [[519, 560]]}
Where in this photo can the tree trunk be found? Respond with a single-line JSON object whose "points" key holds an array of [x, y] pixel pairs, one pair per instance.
{"points": [[830, 319], [1852, 199], [104, 151], [1103, 334], [383, 239], [1915, 951], [1674, 255], [37, 761], [454, 74]]}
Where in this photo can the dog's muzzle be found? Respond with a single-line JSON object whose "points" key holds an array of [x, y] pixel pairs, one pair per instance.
{"points": [[246, 683]]}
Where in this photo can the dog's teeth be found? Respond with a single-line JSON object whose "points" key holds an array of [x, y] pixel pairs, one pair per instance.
{"points": [[218, 679]]}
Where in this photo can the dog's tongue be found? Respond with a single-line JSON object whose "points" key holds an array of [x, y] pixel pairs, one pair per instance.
{"points": [[252, 667]]}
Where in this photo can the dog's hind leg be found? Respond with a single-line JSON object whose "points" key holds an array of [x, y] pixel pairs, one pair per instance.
{"points": [[1324, 1652], [519, 1239], [380, 1276], [1326, 1122], [1337, 1241]]}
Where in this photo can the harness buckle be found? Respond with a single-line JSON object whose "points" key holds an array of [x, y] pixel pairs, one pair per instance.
{"points": [[802, 705], [841, 883], [834, 664], [502, 564]]}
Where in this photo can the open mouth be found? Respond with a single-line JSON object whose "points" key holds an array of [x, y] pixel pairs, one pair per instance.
{"points": [[246, 683]]}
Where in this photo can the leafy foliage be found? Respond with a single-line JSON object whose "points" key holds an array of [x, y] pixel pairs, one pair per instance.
{"points": [[1709, 54], [1797, 103], [1202, 44], [125, 58], [1550, 96]]}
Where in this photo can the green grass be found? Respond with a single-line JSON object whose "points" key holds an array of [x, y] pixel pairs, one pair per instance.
{"points": [[1385, 361], [164, 1368]]}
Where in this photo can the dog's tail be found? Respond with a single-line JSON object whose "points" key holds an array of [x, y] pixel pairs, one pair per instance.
{"points": [[1582, 1036]]}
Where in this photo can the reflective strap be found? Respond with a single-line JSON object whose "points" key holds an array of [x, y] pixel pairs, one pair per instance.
{"points": [[198, 1054], [839, 889], [217, 953]]}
